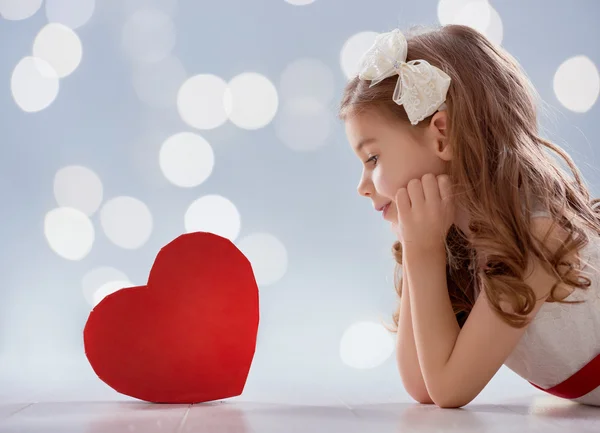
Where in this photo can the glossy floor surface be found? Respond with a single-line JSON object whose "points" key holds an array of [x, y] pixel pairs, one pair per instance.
{"points": [[70, 410]]}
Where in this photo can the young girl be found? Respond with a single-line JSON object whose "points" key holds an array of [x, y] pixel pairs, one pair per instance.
{"points": [[499, 247]]}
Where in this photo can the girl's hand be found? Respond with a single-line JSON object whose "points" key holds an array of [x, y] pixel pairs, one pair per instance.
{"points": [[425, 211]]}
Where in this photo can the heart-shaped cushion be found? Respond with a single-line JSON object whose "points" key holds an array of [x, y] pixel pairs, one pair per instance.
{"points": [[189, 335]]}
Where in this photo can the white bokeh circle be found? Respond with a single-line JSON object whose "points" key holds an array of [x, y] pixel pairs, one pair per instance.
{"points": [[15, 10], [60, 47], [149, 35], [353, 50], [186, 159], [300, 2], [126, 221], [201, 101], [304, 124], [157, 83], [78, 187], [213, 214], [69, 232], [34, 84], [268, 257], [169, 7], [576, 84], [98, 278], [251, 100], [307, 78], [71, 13], [366, 345], [108, 288], [452, 11]]}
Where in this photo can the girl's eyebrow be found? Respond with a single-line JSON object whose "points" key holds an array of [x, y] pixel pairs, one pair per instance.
{"points": [[364, 142]]}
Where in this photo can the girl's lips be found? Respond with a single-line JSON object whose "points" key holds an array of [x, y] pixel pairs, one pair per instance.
{"points": [[385, 208]]}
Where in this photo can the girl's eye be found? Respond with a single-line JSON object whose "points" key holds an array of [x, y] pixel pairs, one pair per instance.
{"points": [[374, 158]]}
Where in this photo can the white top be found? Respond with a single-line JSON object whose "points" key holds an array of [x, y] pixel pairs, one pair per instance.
{"points": [[562, 338]]}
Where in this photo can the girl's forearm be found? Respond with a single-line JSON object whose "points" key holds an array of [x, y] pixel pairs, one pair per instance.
{"points": [[434, 323], [408, 362]]}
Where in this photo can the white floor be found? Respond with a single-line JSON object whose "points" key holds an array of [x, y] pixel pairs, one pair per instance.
{"points": [[68, 410]]}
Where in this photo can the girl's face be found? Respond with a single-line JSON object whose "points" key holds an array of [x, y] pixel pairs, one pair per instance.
{"points": [[393, 153]]}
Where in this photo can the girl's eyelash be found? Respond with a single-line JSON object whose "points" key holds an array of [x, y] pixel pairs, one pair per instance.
{"points": [[373, 158]]}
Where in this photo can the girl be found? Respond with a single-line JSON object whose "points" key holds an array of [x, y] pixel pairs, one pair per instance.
{"points": [[499, 247]]}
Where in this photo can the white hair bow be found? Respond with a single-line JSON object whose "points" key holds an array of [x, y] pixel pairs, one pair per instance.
{"points": [[421, 87]]}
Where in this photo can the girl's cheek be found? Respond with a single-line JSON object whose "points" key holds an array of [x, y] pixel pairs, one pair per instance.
{"points": [[382, 184]]}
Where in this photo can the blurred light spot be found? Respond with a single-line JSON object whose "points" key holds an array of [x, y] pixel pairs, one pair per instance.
{"points": [[108, 288], [577, 84], [200, 101], [169, 7], [186, 159], [149, 35], [78, 187], [96, 278], [34, 84], [481, 16], [157, 83], [71, 13], [15, 10], [60, 47], [251, 101], [299, 2], [307, 78], [451, 11], [366, 345], [267, 255], [303, 124], [353, 50], [213, 214], [69, 233], [126, 221], [495, 30]]}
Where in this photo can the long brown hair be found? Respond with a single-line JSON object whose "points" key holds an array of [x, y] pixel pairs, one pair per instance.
{"points": [[500, 163]]}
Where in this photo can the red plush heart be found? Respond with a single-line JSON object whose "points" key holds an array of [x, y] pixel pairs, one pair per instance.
{"points": [[189, 335]]}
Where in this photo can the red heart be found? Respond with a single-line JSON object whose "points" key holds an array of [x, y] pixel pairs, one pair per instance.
{"points": [[189, 335]]}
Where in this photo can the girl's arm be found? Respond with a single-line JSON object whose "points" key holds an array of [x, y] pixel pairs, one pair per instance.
{"points": [[457, 364], [406, 351]]}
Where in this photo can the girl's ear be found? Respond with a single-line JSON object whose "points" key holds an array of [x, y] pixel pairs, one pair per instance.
{"points": [[438, 128]]}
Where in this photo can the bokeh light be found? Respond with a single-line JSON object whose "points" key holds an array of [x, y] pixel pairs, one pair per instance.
{"points": [[16, 10], [300, 2], [71, 13], [69, 232], [169, 7], [268, 257], [78, 187], [34, 84], [126, 221], [353, 50], [186, 159], [251, 100], [307, 78], [304, 124], [450, 11], [213, 214], [366, 345], [201, 101], [577, 83], [100, 277], [157, 84], [60, 47], [108, 288], [148, 35]]}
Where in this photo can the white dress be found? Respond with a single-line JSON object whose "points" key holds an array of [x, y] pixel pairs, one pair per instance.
{"points": [[562, 338]]}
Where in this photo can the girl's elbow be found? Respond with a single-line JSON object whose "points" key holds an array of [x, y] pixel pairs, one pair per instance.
{"points": [[451, 402], [422, 398]]}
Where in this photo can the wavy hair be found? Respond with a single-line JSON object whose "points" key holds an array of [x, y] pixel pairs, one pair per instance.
{"points": [[500, 163]]}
